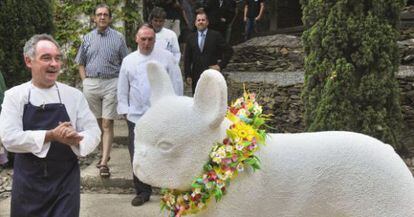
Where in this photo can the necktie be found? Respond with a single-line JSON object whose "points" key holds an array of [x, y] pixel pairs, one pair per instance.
{"points": [[202, 39]]}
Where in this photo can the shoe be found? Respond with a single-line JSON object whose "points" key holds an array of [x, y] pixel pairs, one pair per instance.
{"points": [[139, 200], [104, 171]]}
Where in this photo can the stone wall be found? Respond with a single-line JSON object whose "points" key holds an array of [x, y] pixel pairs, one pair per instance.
{"points": [[406, 80], [272, 67], [279, 93]]}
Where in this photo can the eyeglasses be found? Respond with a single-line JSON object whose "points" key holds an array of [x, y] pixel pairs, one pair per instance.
{"points": [[102, 14]]}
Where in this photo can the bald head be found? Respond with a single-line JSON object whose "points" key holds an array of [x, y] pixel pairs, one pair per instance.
{"points": [[145, 39]]}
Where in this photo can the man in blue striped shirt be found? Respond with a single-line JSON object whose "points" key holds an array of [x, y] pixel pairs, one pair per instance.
{"points": [[99, 58]]}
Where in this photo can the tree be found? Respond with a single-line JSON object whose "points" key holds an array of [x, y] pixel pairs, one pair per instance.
{"points": [[351, 58], [19, 20], [73, 19]]}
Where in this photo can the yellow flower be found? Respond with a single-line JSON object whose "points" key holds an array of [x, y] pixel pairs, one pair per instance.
{"points": [[228, 174], [244, 131]]}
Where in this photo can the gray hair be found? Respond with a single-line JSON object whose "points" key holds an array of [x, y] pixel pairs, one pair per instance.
{"points": [[29, 49], [103, 5], [145, 25], [157, 12]]}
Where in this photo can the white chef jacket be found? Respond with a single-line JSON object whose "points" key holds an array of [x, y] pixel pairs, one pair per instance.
{"points": [[17, 140], [167, 39], [133, 86]]}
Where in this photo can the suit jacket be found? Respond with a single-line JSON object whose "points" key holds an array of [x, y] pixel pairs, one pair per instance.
{"points": [[216, 51], [215, 12]]}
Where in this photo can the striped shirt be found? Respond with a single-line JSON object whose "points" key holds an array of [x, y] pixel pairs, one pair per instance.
{"points": [[102, 53]]}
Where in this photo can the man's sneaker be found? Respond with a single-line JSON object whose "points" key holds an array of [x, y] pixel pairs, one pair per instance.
{"points": [[139, 200]]}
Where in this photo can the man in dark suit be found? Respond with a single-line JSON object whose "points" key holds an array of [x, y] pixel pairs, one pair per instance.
{"points": [[221, 14], [205, 49]]}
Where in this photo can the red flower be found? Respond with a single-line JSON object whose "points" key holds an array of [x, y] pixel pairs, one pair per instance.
{"points": [[234, 157], [225, 161], [212, 176], [225, 168], [226, 141], [196, 197], [234, 110]]}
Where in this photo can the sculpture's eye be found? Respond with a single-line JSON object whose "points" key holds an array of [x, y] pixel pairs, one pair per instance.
{"points": [[165, 146]]}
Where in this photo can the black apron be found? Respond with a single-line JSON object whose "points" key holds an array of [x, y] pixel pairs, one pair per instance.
{"points": [[46, 187]]}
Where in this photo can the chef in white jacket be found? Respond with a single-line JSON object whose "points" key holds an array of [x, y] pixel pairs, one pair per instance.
{"points": [[48, 125]]}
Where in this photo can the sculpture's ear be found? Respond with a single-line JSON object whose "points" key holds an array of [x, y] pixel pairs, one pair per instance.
{"points": [[159, 80], [210, 98]]}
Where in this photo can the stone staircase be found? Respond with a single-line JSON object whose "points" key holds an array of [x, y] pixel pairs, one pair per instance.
{"points": [[120, 166]]}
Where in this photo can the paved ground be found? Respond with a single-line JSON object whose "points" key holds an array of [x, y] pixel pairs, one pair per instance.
{"points": [[114, 195], [106, 205]]}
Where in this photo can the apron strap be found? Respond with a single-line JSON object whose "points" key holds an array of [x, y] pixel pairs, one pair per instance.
{"points": [[57, 88]]}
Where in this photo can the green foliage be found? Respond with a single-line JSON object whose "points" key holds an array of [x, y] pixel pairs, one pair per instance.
{"points": [[70, 29], [19, 20], [132, 18], [351, 58]]}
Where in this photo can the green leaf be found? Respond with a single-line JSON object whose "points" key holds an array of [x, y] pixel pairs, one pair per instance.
{"points": [[195, 185], [218, 194], [258, 122]]}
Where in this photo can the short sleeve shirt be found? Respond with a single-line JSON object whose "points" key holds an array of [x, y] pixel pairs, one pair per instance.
{"points": [[253, 7], [102, 53]]}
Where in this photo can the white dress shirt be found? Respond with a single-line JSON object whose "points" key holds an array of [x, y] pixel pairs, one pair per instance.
{"points": [[167, 39], [133, 86], [15, 139]]}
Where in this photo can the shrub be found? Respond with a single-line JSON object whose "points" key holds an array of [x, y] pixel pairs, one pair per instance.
{"points": [[20, 20], [351, 58]]}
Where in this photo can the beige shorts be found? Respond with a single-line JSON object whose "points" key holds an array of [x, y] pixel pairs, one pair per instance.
{"points": [[101, 96]]}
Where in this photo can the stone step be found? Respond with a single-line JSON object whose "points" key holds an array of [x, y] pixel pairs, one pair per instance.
{"points": [[119, 165], [121, 132], [120, 168]]}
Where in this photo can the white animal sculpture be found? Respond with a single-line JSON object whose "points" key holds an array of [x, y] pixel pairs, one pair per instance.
{"points": [[323, 174]]}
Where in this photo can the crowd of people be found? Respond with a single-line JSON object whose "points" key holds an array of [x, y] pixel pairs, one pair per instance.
{"points": [[222, 15], [48, 124]]}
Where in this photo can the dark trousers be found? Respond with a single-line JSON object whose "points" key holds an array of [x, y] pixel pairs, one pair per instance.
{"points": [[140, 187], [250, 28]]}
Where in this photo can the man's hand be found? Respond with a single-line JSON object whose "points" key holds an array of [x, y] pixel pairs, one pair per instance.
{"points": [[215, 67], [122, 116], [189, 81], [64, 133]]}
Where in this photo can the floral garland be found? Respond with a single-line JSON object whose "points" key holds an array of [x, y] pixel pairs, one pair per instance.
{"points": [[227, 159]]}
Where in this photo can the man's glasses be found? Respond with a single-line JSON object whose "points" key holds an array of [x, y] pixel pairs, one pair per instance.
{"points": [[102, 14]]}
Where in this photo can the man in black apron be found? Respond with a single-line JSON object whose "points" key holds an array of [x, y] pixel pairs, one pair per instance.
{"points": [[46, 179]]}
